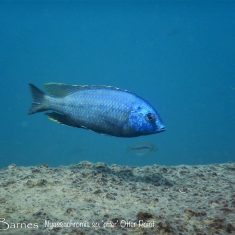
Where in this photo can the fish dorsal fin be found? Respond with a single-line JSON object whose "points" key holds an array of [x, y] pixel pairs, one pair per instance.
{"points": [[62, 90]]}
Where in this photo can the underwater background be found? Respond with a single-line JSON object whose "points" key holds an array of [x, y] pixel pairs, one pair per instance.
{"points": [[178, 55]]}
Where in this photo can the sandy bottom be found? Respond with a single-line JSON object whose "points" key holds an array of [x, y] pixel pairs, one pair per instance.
{"points": [[99, 199]]}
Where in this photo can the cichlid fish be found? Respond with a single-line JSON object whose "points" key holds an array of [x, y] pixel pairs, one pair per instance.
{"points": [[142, 149], [103, 109]]}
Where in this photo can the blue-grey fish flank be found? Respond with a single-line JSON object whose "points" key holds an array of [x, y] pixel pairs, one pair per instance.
{"points": [[103, 109]]}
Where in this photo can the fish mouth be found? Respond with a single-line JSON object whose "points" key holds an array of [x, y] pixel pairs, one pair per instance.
{"points": [[162, 128]]}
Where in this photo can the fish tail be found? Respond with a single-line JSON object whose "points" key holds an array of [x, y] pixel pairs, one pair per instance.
{"points": [[40, 101]]}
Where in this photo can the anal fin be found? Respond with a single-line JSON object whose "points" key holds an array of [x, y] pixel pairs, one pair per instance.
{"points": [[60, 118]]}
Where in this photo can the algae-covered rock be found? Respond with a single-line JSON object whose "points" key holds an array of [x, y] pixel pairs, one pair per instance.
{"points": [[88, 199]]}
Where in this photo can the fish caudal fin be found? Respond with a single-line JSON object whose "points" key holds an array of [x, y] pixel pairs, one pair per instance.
{"points": [[40, 101]]}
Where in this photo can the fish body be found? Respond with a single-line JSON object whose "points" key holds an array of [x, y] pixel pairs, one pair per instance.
{"points": [[103, 109], [141, 149]]}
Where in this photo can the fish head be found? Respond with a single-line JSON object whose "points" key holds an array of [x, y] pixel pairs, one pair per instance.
{"points": [[145, 120]]}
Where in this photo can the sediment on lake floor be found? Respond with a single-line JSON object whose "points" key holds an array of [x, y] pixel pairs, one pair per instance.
{"points": [[89, 198]]}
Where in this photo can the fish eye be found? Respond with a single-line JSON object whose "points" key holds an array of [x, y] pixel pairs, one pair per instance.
{"points": [[150, 117]]}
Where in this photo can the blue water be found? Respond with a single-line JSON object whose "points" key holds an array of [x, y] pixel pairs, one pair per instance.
{"points": [[179, 55]]}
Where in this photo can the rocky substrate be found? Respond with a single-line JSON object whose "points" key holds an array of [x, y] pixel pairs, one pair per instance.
{"points": [[89, 198]]}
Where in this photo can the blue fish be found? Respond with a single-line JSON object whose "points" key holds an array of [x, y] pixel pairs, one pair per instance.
{"points": [[103, 109]]}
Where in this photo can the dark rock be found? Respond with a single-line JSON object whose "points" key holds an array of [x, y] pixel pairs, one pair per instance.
{"points": [[41, 214], [227, 210], [233, 200], [230, 167], [2, 200], [102, 168], [111, 196], [70, 210], [125, 173], [106, 216], [8, 183], [163, 170], [194, 213], [157, 180], [85, 174], [217, 223], [36, 170], [56, 229], [144, 216], [230, 228], [98, 191], [165, 227], [10, 210], [31, 176]]}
